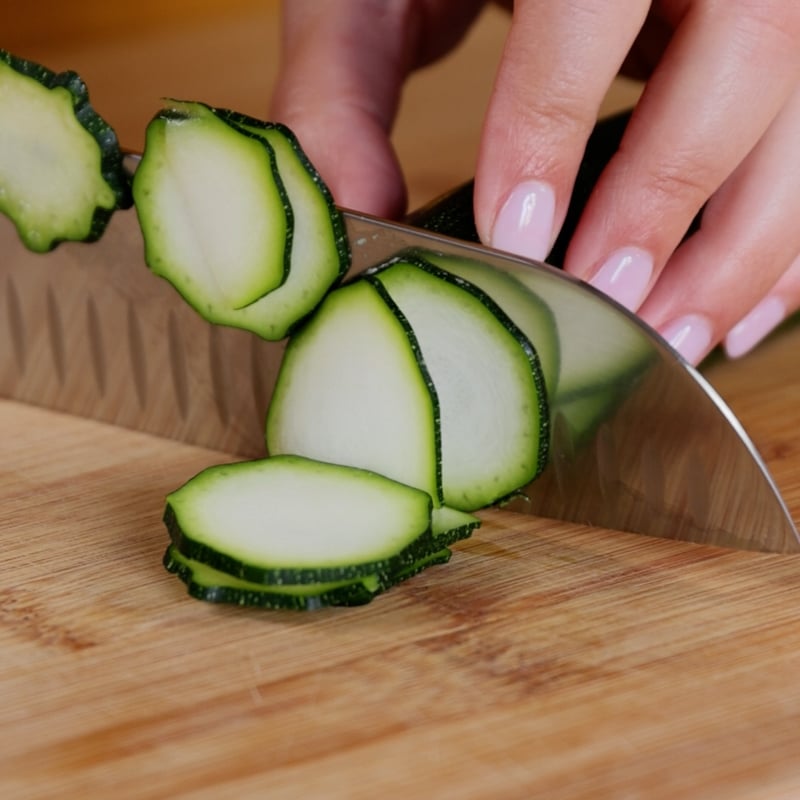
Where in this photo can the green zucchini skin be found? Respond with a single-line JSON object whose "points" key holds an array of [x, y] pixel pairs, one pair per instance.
{"points": [[319, 225], [274, 521], [109, 163], [518, 301], [311, 235], [218, 575], [213, 586], [392, 275], [213, 210]]}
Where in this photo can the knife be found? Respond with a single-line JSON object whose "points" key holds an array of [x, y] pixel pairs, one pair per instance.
{"points": [[89, 330]]}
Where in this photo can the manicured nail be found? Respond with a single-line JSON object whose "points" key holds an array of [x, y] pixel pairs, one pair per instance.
{"points": [[625, 276], [524, 225], [753, 327], [690, 336]]}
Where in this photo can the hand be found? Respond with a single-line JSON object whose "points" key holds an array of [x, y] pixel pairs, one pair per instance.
{"points": [[718, 126]]}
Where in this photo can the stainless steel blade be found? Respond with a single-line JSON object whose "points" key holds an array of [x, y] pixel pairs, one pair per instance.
{"points": [[667, 458], [90, 330]]}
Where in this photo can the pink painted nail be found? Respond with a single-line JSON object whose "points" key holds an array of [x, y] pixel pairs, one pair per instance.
{"points": [[691, 336], [524, 225], [754, 326], [625, 276]]}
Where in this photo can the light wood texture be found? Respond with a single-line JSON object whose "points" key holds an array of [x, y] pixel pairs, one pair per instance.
{"points": [[546, 660]]}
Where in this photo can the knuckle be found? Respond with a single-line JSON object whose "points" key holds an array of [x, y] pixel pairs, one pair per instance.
{"points": [[682, 179]]}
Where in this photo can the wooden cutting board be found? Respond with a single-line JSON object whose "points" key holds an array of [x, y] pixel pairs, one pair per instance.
{"points": [[546, 660]]}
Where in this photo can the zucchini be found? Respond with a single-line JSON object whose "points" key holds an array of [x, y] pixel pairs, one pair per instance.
{"points": [[450, 525], [291, 520], [350, 391], [320, 251], [213, 210], [411, 373], [215, 586], [486, 377], [291, 533], [212, 585], [61, 174], [236, 217], [523, 306]]}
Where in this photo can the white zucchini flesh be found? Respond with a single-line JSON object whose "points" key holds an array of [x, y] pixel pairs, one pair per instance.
{"points": [[320, 252], [588, 361], [50, 176], [293, 520], [212, 210], [523, 306], [449, 525], [491, 399], [350, 391]]}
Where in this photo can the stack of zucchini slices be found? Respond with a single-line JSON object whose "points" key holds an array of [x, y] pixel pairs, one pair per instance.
{"points": [[408, 398]]}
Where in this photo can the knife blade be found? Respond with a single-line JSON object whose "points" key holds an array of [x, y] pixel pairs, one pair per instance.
{"points": [[89, 330]]}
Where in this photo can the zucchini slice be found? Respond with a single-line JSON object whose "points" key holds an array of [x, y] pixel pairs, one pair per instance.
{"points": [[350, 391], [450, 525], [291, 520], [215, 216], [206, 583], [492, 406], [61, 175], [213, 585], [523, 306], [589, 361], [320, 252]]}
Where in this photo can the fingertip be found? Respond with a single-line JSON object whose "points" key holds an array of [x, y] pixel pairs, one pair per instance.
{"points": [[524, 224], [755, 326]]}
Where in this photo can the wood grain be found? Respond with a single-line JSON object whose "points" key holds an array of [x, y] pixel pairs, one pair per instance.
{"points": [[546, 660]]}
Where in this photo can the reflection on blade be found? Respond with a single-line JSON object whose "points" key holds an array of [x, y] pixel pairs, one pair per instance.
{"points": [[89, 330], [640, 441]]}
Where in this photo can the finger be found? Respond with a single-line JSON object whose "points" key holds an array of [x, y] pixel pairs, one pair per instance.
{"points": [[724, 77], [557, 64], [747, 239], [338, 84], [765, 316], [343, 64]]}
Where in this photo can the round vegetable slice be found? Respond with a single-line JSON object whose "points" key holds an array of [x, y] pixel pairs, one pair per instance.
{"points": [[350, 391], [61, 175], [523, 306], [320, 253], [492, 405], [213, 211], [292, 520]]}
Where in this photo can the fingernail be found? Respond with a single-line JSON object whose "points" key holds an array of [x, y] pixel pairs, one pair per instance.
{"points": [[754, 326], [691, 336], [524, 225], [625, 276]]}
